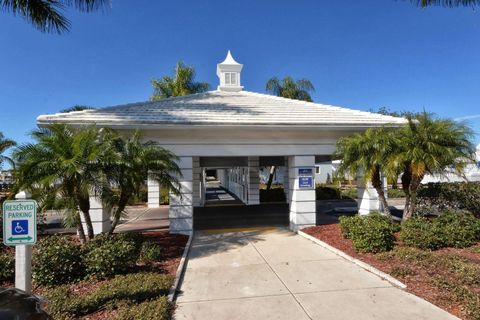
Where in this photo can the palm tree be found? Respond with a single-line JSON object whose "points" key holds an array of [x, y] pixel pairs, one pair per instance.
{"points": [[64, 164], [431, 145], [181, 84], [289, 88], [76, 108], [4, 145], [46, 15], [129, 169], [369, 152], [446, 3]]}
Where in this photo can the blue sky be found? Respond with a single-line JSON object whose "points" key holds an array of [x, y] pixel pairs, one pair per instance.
{"points": [[359, 54]]}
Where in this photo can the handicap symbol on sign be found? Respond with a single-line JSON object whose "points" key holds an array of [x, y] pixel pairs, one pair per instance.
{"points": [[19, 227]]}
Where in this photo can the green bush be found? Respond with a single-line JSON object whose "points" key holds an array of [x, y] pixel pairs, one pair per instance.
{"points": [[150, 252], [158, 309], [136, 238], [57, 260], [458, 229], [137, 287], [109, 257], [396, 193], [370, 233], [436, 198], [7, 266], [272, 195], [452, 229], [349, 193], [327, 192]]}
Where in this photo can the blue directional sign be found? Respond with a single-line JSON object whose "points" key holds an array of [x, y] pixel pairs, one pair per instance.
{"points": [[19, 222], [305, 182], [305, 171]]}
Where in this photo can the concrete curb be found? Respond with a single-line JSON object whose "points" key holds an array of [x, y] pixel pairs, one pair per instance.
{"points": [[172, 293], [359, 263]]}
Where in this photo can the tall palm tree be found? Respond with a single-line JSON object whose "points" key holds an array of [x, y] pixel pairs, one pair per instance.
{"points": [[64, 163], [290, 88], [129, 169], [431, 145], [46, 15], [446, 3], [369, 152], [4, 145], [181, 84]]}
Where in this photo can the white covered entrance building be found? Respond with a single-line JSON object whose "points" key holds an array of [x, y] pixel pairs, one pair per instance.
{"points": [[235, 131]]}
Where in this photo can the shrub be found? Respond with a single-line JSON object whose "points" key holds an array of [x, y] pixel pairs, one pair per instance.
{"points": [[436, 198], [109, 257], [452, 229], [349, 193], [136, 238], [57, 260], [136, 287], [396, 193], [158, 309], [272, 195], [327, 192], [420, 232], [150, 252], [458, 229], [7, 266], [370, 233]]}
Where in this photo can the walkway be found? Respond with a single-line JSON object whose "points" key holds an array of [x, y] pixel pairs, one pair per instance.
{"points": [[276, 274]]}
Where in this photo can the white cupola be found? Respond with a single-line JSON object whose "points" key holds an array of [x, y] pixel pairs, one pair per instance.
{"points": [[229, 73]]}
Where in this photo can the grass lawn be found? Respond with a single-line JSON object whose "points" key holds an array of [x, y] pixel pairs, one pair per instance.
{"points": [[448, 278]]}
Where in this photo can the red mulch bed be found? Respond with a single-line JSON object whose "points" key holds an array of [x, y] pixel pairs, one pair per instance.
{"points": [[419, 282]]}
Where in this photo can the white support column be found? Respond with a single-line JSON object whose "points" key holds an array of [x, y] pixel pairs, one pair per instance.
{"points": [[286, 180], [253, 181], [367, 196], [99, 215], [23, 258], [153, 189], [197, 183], [302, 200], [181, 206]]}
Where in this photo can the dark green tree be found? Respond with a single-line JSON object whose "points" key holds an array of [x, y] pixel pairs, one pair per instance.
{"points": [[290, 88], [4, 145]]}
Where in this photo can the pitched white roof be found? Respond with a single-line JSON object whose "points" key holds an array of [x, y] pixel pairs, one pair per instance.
{"points": [[219, 108]]}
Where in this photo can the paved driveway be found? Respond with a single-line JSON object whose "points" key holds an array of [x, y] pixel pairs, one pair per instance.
{"points": [[276, 274]]}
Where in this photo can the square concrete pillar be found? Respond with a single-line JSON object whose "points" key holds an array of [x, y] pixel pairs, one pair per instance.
{"points": [[253, 181], [367, 196], [181, 206], [99, 215], [286, 180], [153, 190], [197, 181], [301, 197]]}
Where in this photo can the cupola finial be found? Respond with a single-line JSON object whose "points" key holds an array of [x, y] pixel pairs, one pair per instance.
{"points": [[229, 74]]}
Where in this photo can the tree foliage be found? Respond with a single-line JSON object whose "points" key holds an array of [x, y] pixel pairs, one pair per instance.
{"points": [[5, 144], [446, 3], [290, 88], [47, 15], [181, 84]]}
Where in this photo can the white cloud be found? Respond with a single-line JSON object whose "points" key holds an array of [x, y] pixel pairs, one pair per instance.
{"points": [[470, 117]]}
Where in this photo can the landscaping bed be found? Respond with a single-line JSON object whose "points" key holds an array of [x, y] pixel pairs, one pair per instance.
{"points": [[448, 277], [123, 277]]}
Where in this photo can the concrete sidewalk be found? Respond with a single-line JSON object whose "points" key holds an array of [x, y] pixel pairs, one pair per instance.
{"points": [[276, 274]]}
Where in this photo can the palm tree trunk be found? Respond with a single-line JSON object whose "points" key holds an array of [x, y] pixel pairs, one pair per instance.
{"points": [[81, 233], [89, 224], [411, 204], [270, 177], [122, 204], [377, 184]]}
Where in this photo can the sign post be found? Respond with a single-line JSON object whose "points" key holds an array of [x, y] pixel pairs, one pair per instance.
{"points": [[20, 230]]}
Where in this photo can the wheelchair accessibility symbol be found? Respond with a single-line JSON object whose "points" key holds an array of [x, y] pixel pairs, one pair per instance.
{"points": [[19, 227]]}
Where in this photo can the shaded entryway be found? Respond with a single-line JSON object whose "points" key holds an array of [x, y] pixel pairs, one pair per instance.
{"points": [[279, 275]]}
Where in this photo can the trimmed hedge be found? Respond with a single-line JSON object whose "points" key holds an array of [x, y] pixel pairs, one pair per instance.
{"points": [[137, 287], [158, 309], [436, 198], [451, 229], [396, 193], [369, 233], [7, 266], [150, 252], [57, 260]]}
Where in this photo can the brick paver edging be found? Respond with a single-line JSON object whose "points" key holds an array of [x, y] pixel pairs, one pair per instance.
{"points": [[172, 293], [359, 263]]}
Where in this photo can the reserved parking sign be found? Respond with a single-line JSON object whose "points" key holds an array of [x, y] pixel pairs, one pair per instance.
{"points": [[19, 222]]}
